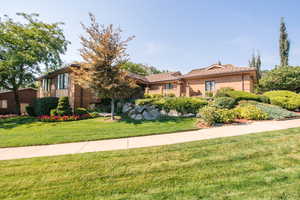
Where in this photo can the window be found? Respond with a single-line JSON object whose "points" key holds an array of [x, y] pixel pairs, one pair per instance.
{"points": [[209, 86], [3, 103], [168, 86], [46, 83], [63, 81]]}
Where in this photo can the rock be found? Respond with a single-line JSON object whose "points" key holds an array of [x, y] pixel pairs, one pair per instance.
{"points": [[132, 116], [163, 112], [104, 114], [127, 107], [155, 113], [140, 109], [138, 117], [147, 116], [174, 113], [189, 115]]}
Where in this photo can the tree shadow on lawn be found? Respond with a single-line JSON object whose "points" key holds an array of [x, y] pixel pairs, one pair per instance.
{"points": [[13, 122], [161, 120]]}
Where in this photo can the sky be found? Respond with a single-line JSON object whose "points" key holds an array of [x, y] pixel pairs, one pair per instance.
{"points": [[178, 35]]}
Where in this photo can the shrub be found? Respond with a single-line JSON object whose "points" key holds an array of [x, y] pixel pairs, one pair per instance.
{"points": [[226, 115], [212, 115], [42, 106], [224, 102], [209, 115], [81, 111], [30, 110], [242, 95], [53, 112], [285, 99], [153, 96], [63, 107], [170, 95], [250, 112], [222, 92], [281, 78], [142, 102], [209, 94], [181, 104]]}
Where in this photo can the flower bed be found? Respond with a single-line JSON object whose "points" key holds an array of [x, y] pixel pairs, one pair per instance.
{"points": [[7, 116], [47, 118]]}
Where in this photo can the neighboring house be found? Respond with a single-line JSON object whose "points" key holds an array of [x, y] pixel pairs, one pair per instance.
{"points": [[198, 82], [8, 104]]}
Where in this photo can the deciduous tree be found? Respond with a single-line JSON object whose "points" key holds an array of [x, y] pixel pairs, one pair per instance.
{"points": [[24, 47], [103, 53]]}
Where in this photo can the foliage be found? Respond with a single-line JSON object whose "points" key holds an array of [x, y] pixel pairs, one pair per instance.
{"points": [[142, 102], [53, 112], [140, 69], [154, 96], [255, 62], [81, 111], [285, 99], [251, 112], [224, 102], [281, 78], [24, 47], [284, 45], [242, 95], [209, 94], [103, 53], [222, 92], [212, 115], [63, 107], [46, 118], [43, 106], [274, 112], [30, 110]]}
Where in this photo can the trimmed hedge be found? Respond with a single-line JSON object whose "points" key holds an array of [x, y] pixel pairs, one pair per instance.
{"points": [[251, 112], [180, 104], [81, 111], [30, 111], [284, 98], [222, 92], [43, 106], [224, 102], [211, 115], [242, 95]]}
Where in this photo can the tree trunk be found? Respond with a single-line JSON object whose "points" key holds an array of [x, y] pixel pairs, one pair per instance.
{"points": [[112, 109], [17, 100]]}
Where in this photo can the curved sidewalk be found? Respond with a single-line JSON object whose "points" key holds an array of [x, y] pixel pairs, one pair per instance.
{"points": [[144, 141]]}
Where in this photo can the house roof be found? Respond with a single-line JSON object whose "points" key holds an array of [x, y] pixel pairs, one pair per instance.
{"points": [[168, 76], [216, 70]]}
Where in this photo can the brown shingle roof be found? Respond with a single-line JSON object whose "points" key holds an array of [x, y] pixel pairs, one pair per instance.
{"points": [[217, 69], [168, 76]]}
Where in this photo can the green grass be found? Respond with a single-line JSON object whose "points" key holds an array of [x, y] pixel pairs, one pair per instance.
{"points": [[257, 166], [24, 131]]}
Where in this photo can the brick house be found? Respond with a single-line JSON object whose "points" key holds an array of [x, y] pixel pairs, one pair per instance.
{"points": [[8, 104], [195, 83]]}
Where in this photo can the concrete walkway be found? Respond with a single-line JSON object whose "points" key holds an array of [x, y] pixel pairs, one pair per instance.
{"points": [[144, 141]]}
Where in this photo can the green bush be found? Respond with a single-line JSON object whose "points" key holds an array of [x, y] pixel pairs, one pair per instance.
{"points": [[242, 95], [285, 99], [147, 101], [209, 94], [81, 111], [222, 92], [63, 107], [281, 78], [212, 115], [42, 106], [153, 96], [181, 104], [224, 102], [209, 115], [53, 112], [250, 112], [30, 110]]}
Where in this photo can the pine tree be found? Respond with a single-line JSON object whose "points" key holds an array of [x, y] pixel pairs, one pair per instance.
{"points": [[255, 62], [63, 107], [284, 44]]}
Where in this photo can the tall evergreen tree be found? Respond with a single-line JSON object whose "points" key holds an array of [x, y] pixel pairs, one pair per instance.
{"points": [[284, 44], [255, 62]]}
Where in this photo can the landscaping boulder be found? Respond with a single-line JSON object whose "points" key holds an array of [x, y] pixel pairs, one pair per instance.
{"points": [[138, 112], [174, 113]]}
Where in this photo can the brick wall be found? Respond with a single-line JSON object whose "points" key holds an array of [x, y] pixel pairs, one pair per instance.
{"points": [[27, 96]]}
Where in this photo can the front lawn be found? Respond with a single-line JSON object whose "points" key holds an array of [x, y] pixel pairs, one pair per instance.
{"points": [[257, 166], [24, 131]]}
